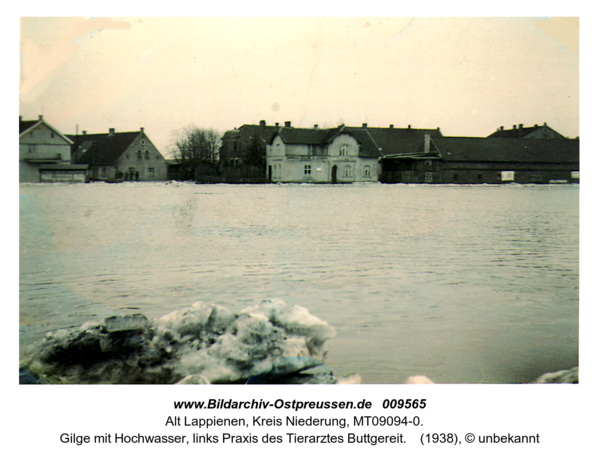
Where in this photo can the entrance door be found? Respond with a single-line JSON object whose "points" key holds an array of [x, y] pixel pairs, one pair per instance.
{"points": [[334, 174], [270, 173]]}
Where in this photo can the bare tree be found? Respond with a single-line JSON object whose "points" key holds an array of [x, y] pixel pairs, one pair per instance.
{"points": [[197, 150]]}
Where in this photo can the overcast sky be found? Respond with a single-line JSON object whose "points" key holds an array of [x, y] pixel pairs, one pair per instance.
{"points": [[467, 76]]}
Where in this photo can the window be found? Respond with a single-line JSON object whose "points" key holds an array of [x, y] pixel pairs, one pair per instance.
{"points": [[344, 150], [307, 170], [31, 148], [151, 171], [103, 171], [147, 154], [507, 175], [367, 172], [348, 171], [428, 177], [139, 154], [455, 176]]}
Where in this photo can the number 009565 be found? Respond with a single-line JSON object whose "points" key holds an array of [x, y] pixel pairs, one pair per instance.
{"points": [[404, 403]]}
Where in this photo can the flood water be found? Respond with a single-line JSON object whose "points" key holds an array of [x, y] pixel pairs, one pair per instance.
{"points": [[463, 284]]}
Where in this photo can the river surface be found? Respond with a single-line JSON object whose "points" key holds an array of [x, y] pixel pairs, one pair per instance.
{"points": [[463, 284]]}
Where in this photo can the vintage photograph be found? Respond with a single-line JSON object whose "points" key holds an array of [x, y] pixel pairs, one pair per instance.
{"points": [[247, 200]]}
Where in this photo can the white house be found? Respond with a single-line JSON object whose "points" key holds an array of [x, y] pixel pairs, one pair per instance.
{"points": [[312, 155], [45, 154]]}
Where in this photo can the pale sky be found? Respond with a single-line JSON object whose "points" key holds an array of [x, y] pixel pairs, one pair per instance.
{"points": [[467, 76]]}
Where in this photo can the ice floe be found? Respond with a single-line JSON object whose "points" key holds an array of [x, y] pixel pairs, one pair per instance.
{"points": [[205, 343]]}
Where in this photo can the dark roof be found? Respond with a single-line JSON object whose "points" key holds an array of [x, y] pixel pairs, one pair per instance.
{"points": [[368, 147], [102, 149], [401, 140], [315, 136], [507, 149], [25, 125], [520, 131], [375, 142], [309, 136], [246, 133]]}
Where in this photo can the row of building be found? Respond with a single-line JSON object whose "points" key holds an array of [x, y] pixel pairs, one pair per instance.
{"points": [[47, 155], [346, 154], [283, 153]]}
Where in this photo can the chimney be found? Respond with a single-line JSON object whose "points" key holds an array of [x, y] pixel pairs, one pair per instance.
{"points": [[514, 126], [427, 143], [288, 124], [391, 126], [276, 124], [521, 126], [364, 125], [408, 126], [316, 126], [142, 130], [263, 123], [84, 132], [545, 124], [111, 132], [20, 117], [535, 125], [501, 128], [41, 117]]}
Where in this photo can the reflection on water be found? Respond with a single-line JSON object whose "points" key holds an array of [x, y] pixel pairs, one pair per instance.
{"points": [[464, 284]]}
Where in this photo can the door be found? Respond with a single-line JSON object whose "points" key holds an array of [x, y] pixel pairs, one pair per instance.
{"points": [[334, 174]]}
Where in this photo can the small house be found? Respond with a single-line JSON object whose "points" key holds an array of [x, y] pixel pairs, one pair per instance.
{"points": [[119, 156]]}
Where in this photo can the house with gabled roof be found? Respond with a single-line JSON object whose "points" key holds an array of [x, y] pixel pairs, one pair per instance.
{"points": [[336, 155], [344, 154], [119, 156], [45, 154]]}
